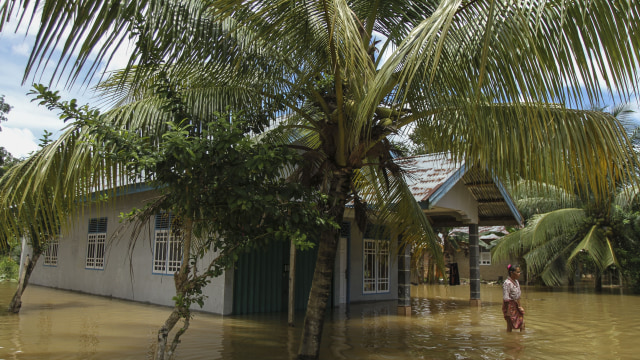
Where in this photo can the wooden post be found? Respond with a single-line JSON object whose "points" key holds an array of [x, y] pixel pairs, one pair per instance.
{"points": [[292, 283], [474, 265]]}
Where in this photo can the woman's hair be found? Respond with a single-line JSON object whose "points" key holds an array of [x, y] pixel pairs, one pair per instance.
{"points": [[512, 268]]}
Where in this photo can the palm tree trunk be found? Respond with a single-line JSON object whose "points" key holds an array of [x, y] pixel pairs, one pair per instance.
{"points": [[29, 265], [292, 284], [598, 281], [322, 276], [318, 297]]}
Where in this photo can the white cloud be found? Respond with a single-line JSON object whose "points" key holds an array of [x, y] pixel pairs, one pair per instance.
{"points": [[121, 56], [27, 120], [29, 115], [19, 142], [21, 49]]}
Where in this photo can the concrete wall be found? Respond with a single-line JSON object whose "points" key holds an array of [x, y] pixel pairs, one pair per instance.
{"points": [[460, 199], [493, 272], [127, 273], [356, 284]]}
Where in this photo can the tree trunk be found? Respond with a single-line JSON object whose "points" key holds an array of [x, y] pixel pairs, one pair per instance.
{"points": [[598, 281], [29, 265], [318, 297], [322, 276], [292, 284], [182, 284], [163, 333]]}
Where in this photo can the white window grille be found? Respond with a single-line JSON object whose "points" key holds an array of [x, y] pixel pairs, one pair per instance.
{"points": [[375, 265], [96, 241], [51, 252], [167, 254], [369, 259], [485, 256]]}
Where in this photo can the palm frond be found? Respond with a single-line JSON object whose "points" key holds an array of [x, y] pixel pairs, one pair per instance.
{"points": [[392, 203], [545, 143], [544, 227], [508, 246], [556, 270], [627, 196], [543, 236], [598, 247], [542, 257]]}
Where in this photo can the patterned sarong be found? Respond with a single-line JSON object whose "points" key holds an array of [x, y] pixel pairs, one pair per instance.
{"points": [[512, 314]]}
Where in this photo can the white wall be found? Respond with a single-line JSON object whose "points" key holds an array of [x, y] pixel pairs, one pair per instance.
{"points": [[127, 273], [460, 199]]}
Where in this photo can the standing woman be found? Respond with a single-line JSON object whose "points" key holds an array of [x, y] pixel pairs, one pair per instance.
{"points": [[513, 312]]}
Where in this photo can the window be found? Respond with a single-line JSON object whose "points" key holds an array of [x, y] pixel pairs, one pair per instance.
{"points": [[167, 247], [51, 252], [485, 256], [375, 263], [96, 243]]}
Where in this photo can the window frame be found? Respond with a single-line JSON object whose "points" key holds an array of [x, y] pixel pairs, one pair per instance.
{"points": [[50, 253], [96, 244], [376, 259], [167, 246], [485, 256]]}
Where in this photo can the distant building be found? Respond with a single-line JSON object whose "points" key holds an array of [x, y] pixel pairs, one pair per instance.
{"points": [[490, 270]]}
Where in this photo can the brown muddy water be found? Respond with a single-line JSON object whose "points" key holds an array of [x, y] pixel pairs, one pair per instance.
{"points": [[561, 324]]}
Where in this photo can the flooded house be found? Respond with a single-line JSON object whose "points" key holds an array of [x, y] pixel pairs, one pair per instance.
{"points": [[97, 257]]}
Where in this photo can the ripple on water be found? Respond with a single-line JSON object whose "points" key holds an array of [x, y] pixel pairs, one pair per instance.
{"points": [[560, 325]]}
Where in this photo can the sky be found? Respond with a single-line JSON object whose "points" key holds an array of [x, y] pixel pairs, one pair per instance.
{"points": [[27, 121]]}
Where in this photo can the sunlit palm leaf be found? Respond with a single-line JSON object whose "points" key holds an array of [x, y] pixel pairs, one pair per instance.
{"points": [[393, 203], [548, 255], [627, 196], [544, 227], [598, 247]]}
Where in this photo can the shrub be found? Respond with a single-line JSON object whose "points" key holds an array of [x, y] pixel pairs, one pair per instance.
{"points": [[8, 269]]}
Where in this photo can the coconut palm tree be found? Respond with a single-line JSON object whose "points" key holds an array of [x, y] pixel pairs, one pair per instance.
{"points": [[554, 243], [563, 227], [490, 80]]}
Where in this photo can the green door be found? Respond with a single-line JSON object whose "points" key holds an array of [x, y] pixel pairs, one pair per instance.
{"points": [[261, 284]]}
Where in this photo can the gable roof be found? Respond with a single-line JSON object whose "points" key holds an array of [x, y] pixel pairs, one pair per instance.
{"points": [[430, 177]]}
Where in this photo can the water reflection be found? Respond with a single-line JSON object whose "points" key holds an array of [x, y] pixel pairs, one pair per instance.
{"points": [[561, 324]]}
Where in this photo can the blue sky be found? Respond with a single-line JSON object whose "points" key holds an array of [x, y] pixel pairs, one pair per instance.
{"points": [[27, 121]]}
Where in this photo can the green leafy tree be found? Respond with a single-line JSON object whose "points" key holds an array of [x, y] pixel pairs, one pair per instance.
{"points": [[42, 229], [6, 160], [626, 247], [37, 221], [228, 192], [4, 109], [488, 80]]}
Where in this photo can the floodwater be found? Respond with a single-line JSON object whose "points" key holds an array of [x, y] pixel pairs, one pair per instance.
{"points": [[561, 324]]}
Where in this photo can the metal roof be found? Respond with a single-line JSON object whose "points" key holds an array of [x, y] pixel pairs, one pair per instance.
{"points": [[488, 231], [431, 176]]}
